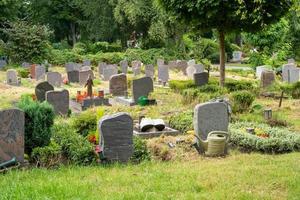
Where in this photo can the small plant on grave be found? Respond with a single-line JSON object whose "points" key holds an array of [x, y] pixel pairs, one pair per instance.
{"points": [[182, 121], [242, 101], [141, 152], [179, 85], [23, 72], [234, 85], [85, 122], [39, 118]]}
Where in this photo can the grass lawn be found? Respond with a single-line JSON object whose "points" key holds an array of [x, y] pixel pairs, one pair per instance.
{"points": [[238, 176]]}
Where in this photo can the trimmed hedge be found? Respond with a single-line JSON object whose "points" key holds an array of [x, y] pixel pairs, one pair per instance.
{"points": [[279, 140]]}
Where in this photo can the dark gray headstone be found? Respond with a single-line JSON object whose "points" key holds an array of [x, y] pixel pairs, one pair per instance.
{"points": [[71, 66], [84, 75], [118, 84], [3, 63], [54, 78], [11, 135], [86, 63], [201, 78], [149, 71], [116, 133], [73, 76], [163, 73], [59, 100], [41, 89], [141, 87], [212, 116]]}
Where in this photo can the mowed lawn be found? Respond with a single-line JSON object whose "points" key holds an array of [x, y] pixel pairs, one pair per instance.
{"points": [[238, 176]]}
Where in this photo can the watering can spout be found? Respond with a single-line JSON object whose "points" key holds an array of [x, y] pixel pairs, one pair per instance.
{"points": [[9, 163]]}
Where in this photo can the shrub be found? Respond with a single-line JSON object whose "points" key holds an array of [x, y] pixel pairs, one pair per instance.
{"points": [[141, 151], [182, 121], [242, 101], [48, 156], [85, 123], [23, 72], [279, 140], [27, 42], [296, 90], [179, 85], [105, 47], [75, 148], [233, 85], [39, 118]]}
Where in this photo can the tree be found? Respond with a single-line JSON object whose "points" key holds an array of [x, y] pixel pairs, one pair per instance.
{"points": [[227, 16]]}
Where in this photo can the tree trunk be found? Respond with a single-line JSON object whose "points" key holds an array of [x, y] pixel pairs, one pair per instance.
{"points": [[222, 57], [73, 32]]}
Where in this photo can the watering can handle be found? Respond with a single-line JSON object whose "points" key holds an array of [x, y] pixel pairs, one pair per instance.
{"points": [[224, 133]]}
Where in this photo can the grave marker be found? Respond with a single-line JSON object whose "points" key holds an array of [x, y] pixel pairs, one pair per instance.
{"points": [[54, 78], [41, 89], [118, 84], [59, 100], [201, 79], [141, 87]]}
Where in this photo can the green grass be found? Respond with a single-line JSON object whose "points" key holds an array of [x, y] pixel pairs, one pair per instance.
{"points": [[239, 176]]}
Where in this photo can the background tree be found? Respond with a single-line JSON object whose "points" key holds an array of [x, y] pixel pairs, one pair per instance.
{"points": [[227, 16]]}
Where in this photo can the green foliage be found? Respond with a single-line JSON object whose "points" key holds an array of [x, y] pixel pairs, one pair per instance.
{"points": [[105, 47], [27, 42], [296, 90], [141, 151], [182, 121], [39, 118], [279, 140], [234, 85], [23, 72], [85, 123], [242, 101], [48, 156], [75, 148], [179, 85]]}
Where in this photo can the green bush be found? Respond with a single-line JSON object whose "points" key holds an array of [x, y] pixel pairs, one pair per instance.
{"points": [[296, 90], [48, 156], [85, 123], [23, 72], [141, 151], [178, 85], [242, 101], [182, 121], [39, 118], [27, 42], [105, 47], [279, 140], [75, 148], [233, 85]]}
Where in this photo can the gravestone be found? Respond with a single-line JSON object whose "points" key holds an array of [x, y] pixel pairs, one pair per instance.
{"points": [[116, 137], [211, 116], [54, 78], [237, 56], [199, 68], [71, 66], [32, 71], [101, 67], [85, 68], [141, 87], [12, 77], [40, 72], [163, 73], [172, 64], [41, 89], [25, 65], [286, 72], [190, 71], [291, 61], [12, 122], [73, 76], [84, 75], [3, 63], [86, 63], [136, 67], [160, 62], [267, 78], [109, 71], [118, 85], [124, 66], [191, 62], [59, 100], [294, 75], [149, 71], [201, 79], [260, 69], [182, 66]]}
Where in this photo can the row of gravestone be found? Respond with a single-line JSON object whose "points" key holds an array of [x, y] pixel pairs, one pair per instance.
{"points": [[116, 131]]}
